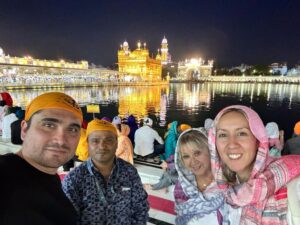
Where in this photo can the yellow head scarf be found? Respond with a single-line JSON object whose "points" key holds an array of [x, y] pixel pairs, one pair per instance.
{"points": [[53, 100], [97, 124], [82, 148], [184, 127]]}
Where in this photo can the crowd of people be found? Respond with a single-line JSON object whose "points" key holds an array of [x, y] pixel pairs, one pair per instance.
{"points": [[233, 170], [56, 78]]}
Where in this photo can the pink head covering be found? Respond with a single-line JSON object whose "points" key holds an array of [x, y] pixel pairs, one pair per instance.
{"points": [[268, 175], [258, 130]]}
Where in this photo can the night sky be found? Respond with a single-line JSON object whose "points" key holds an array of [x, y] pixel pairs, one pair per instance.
{"points": [[229, 31]]}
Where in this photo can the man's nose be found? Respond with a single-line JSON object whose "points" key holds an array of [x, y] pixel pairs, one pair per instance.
{"points": [[59, 136]]}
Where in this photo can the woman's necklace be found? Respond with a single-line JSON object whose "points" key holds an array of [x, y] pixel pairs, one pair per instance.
{"points": [[203, 186]]}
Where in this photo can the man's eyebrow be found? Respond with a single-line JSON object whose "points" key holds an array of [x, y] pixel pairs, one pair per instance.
{"points": [[75, 125], [50, 120], [54, 120]]}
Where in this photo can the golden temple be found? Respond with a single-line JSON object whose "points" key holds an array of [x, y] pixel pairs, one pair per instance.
{"points": [[139, 65]]}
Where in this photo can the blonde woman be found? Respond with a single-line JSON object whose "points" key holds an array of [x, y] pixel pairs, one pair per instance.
{"points": [[196, 199]]}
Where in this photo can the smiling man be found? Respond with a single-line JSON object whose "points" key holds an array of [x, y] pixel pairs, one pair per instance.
{"points": [[105, 189], [30, 189]]}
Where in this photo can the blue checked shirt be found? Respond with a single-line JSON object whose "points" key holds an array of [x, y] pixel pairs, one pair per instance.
{"points": [[122, 201]]}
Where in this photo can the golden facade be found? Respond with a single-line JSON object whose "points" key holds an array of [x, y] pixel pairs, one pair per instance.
{"points": [[139, 64]]}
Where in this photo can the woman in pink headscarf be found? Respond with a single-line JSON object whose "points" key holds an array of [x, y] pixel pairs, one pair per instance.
{"points": [[254, 183]]}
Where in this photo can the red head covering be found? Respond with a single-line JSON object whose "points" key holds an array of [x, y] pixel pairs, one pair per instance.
{"points": [[7, 98]]}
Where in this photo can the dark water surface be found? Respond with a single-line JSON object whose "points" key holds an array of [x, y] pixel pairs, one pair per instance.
{"points": [[185, 102]]}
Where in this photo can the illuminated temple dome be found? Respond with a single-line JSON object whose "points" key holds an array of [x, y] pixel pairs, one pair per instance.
{"points": [[165, 57], [125, 47], [138, 63], [164, 41]]}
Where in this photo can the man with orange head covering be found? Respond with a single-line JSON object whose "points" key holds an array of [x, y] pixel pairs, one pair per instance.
{"points": [[106, 189], [292, 145], [30, 190]]}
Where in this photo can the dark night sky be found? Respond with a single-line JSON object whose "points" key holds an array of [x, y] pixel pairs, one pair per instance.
{"points": [[230, 31]]}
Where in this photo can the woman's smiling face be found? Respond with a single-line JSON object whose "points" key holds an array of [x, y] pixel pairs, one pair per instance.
{"points": [[195, 159], [236, 144]]}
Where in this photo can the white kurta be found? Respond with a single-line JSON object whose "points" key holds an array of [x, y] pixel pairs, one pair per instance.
{"points": [[144, 140], [7, 120]]}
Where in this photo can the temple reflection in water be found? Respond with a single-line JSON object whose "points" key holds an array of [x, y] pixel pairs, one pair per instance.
{"points": [[176, 100]]}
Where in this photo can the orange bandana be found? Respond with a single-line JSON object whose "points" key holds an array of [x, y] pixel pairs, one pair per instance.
{"points": [[53, 100], [297, 128], [184, 127], [97, 124]]}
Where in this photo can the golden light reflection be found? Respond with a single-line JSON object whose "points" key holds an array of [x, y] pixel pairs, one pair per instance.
{"points": [[139, 101], [143, 100], [192, 96]]}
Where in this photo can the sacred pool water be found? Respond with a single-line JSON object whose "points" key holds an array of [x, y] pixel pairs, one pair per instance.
{"points": [[189, 103]]}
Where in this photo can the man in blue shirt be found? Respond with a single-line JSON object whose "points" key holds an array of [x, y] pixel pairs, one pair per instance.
{"points": [[106, 189]]}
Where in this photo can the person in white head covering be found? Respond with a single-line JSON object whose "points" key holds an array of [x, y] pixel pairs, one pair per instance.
{"points": [[116, 120], [208, 123], [275, 139], [144, 139]]}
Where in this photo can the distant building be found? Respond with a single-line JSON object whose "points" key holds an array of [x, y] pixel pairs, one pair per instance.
{"points": [[138, 64], [294, 71], [29, 71], [242, 68], [193, 69], [278, 68], [29, 61]]}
